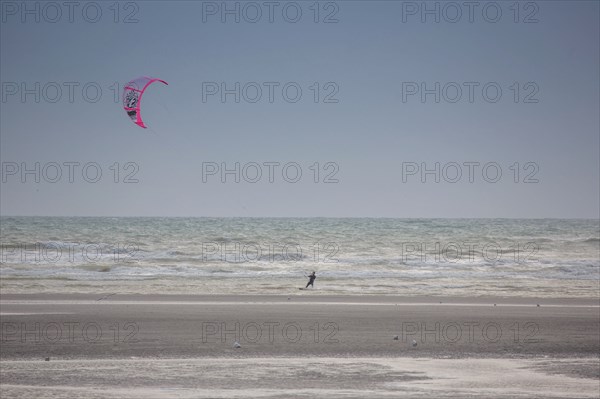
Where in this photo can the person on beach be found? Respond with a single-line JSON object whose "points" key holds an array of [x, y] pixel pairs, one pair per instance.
{"points": [[311, 280]]}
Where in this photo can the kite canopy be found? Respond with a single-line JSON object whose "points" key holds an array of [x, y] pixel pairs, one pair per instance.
{"points": [[132, 97]]}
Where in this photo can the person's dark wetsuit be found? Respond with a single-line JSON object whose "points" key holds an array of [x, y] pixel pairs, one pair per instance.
{"points": [[311, 280]]}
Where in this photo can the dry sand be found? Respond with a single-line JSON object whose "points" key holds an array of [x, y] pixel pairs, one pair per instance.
{"points": [[305, 346]]}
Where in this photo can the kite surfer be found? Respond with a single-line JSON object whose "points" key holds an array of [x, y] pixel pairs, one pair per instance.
{"points": [[311, 280]]}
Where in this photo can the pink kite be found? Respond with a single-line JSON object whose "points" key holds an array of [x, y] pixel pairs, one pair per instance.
{"points": [[132, 97]]}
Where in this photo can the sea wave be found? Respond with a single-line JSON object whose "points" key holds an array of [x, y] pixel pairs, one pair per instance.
{"points": [[374, 253]]}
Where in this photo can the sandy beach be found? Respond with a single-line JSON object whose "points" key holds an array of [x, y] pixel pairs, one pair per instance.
{"points": [[165, 346]]}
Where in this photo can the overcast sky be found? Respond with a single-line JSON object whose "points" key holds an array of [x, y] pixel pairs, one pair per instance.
{"points": [[312, 109]]}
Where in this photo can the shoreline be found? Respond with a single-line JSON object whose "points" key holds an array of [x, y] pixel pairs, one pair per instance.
{"points": [[307, 297]]}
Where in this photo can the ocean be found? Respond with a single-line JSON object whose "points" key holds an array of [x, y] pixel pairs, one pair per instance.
{"points": [[351, 256]]}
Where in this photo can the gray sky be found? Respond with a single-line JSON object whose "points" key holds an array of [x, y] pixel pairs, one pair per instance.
{"points": [[367, 119]]}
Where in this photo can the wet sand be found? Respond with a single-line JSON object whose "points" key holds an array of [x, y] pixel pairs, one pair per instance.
{"points": [[297, 346]]}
